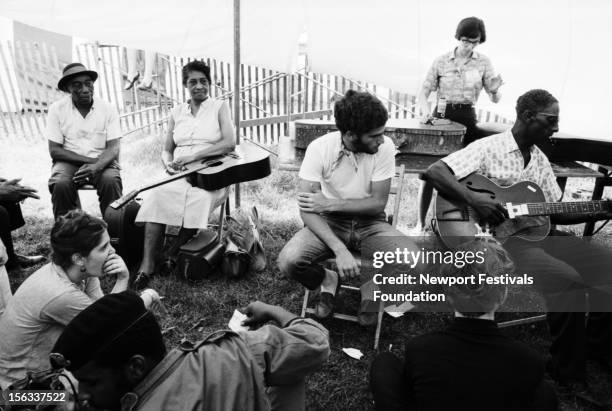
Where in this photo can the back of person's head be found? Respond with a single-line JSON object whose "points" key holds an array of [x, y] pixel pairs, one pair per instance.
{"points": [[478, 298], [359, 112], [471, 27], [76, 232], [115, 342], [110, 331], [534, 101], [195, 65]]}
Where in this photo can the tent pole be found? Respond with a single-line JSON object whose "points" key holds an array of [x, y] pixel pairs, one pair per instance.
{"points": [[237, 86]]}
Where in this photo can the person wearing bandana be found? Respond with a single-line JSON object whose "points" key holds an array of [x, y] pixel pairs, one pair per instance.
{"points": [[344, 186]]}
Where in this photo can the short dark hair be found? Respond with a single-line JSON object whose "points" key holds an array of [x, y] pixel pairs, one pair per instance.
{"points": [[75, 232], [143, 338], [471, 27], [196, 65], [359, 112], [534, 100], [474, 300], [110, 331]]}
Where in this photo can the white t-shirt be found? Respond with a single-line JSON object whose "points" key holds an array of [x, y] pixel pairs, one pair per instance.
{"points": [[352, 176], [36, 316], [85, 136]]}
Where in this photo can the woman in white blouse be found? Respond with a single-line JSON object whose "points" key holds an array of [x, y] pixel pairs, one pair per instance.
{"points": [[200, 128]]}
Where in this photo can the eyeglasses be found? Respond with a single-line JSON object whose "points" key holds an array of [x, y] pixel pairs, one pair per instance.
{"points": [[467, 41], [552, 119]]}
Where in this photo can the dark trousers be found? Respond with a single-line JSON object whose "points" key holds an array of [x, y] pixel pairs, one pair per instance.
{"points": [[565, 269], [467, 117], [64, 193], [10, 219], [392, 392]]}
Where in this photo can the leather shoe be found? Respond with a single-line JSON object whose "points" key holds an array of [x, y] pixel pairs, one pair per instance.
{"points": [[325, 305], [366, 317], [141, 281], [22, 261]]}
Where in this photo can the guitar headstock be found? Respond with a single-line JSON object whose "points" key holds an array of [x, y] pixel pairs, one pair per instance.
{"points": [[120, 202]]}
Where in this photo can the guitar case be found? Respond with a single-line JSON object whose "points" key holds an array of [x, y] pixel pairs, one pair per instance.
{"points": [[126, 237]]}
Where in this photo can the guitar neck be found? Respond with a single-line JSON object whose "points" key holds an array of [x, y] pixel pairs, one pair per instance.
{"points": [[573, 207], [132, 194]]}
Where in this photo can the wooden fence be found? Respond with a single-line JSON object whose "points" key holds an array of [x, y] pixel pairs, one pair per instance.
{"points": [[268, 98]]}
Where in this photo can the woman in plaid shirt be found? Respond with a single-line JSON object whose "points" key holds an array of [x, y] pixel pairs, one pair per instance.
{"points": [[458, 77]]}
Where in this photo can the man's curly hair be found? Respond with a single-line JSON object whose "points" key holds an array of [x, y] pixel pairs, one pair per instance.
{"points": [[534, 100], [359, 112]]}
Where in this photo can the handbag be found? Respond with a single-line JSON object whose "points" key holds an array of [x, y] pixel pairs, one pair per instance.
{"points": [[200, 257]]}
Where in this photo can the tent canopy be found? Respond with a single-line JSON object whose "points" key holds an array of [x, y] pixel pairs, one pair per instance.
{"points": [[558, 46]]}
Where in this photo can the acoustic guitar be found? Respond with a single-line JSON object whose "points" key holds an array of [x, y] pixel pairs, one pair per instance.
{"points": [[247, 162], [529, 213]]}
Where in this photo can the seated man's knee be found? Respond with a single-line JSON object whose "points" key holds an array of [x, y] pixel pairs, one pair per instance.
{"points": [[110, 178], [62, 184], [287, 263]]}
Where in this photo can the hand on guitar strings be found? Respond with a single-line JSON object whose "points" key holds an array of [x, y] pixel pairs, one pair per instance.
{"points": [[85, 174], [12, 191], [488, 209]]}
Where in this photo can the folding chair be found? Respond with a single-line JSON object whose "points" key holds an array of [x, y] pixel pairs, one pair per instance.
{"points": [[396, 190]]}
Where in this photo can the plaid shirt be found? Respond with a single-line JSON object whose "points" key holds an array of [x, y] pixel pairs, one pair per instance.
{"points": [[499, 158], [460, 84]]}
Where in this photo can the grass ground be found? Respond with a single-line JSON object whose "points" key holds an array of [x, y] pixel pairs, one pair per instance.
{"points": [[197, 309]]}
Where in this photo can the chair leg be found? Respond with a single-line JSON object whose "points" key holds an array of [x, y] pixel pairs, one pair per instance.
{"points": [[305, 303], [381, 310], [223, 210]]}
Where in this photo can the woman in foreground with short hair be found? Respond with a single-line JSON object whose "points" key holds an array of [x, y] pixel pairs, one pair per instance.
{"points": [[53, 295]]}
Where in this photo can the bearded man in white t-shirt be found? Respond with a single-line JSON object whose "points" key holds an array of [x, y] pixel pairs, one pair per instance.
{"points": [[84, 135], [344, 186]]}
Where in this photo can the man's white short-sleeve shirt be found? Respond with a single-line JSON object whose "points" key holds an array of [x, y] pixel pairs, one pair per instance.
{"points": [[85, 136], [347, 176]]}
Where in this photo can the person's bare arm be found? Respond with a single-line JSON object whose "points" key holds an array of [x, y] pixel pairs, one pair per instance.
{"points": [[445, 182], [317, 224], [224, 146], [59, 153], [316, 202], [88, 171]]}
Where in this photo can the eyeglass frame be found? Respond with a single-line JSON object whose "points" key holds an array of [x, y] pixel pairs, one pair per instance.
{"points": [[466, 40], [549, 115]]}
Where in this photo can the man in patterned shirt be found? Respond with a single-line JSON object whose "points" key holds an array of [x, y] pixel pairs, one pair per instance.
{"points": [[563, 266]]}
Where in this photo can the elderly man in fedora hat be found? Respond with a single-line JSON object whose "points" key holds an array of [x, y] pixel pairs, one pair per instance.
{"points": [[84, 135]]}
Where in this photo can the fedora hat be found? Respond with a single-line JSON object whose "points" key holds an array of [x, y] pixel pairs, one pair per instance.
{"points": [[71, 70]]}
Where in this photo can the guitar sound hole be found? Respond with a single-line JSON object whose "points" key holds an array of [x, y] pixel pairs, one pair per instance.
{"points": [[215, 163]]}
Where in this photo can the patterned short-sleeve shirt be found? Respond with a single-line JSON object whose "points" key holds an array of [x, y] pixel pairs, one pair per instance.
{"points": [[460, 83], [499, 158]]}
